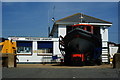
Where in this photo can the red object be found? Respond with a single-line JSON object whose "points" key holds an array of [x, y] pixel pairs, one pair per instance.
{"points": [[91, 29], [78, 55], [81, 25], [85, 28]]}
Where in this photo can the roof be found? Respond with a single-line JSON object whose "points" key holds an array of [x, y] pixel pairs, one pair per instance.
{"points": [[75, 19], [86, 19]]}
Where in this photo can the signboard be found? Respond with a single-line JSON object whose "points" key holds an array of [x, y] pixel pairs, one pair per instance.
{"points": [[33, 39]]}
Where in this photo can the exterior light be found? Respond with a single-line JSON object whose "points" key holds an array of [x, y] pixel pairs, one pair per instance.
{"points": [[104, 27], [53, 19]]}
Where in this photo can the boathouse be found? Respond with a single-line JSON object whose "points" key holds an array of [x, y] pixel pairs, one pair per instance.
{"points": [[37, 49]]}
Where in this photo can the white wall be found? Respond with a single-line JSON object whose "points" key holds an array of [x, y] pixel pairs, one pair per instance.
{"points": [[104, 37], [34, 57], [113, 50], [61, 30], [56, 50], [104, 43], [104, 34]]}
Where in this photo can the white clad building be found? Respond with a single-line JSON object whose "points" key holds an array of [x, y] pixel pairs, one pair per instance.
{"points": [[36, 49], [62, 26]]}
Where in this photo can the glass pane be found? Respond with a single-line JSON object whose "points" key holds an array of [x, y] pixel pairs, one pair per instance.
{"points": [[45, 50], [23, 49]]}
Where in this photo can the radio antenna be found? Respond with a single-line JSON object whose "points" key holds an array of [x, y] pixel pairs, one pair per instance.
{"points": [[53, 19], [48, 24]]}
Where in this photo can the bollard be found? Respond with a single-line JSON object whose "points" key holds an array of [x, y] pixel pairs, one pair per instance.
{"points": [[8, 60], [116, 60], [11, 62]]}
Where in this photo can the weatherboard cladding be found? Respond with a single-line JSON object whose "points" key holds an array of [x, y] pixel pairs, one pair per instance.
{"points": [[86, 19]]}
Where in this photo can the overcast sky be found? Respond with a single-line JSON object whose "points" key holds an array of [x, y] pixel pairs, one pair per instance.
{"points": [[32, 18]]}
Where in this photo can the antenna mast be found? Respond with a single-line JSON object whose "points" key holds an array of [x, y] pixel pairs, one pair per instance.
{"points": [[53, 10], [48, 24]]}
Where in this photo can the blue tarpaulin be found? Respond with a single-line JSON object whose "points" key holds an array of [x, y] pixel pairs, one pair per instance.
{"points": [[54, 57]]}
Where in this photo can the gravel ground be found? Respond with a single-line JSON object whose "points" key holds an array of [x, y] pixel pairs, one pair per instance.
{"points": [[58, 66], [48, 71]]}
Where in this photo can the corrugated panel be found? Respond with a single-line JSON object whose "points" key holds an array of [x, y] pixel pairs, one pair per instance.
{"points": [[45, 44]]}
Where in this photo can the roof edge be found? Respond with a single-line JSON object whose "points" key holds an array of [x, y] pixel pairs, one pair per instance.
{"points": [[84, 15]]}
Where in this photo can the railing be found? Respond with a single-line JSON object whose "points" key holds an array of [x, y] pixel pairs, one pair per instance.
{"points": [[61, 45]]}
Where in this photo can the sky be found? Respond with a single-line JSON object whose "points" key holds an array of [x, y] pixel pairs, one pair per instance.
{"points": [[33, 18], [60, 0]]}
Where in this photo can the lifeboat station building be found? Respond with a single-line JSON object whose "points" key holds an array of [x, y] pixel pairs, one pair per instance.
{"points": [[38, 50]]}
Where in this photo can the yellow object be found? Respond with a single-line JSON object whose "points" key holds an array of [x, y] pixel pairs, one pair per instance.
{"points": [[111, 59], [8, 47]]}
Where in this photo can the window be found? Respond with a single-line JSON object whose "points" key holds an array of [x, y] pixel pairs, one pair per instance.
{"points": [[89, 28], [24, 46], [47, 50], [45, 47]]}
